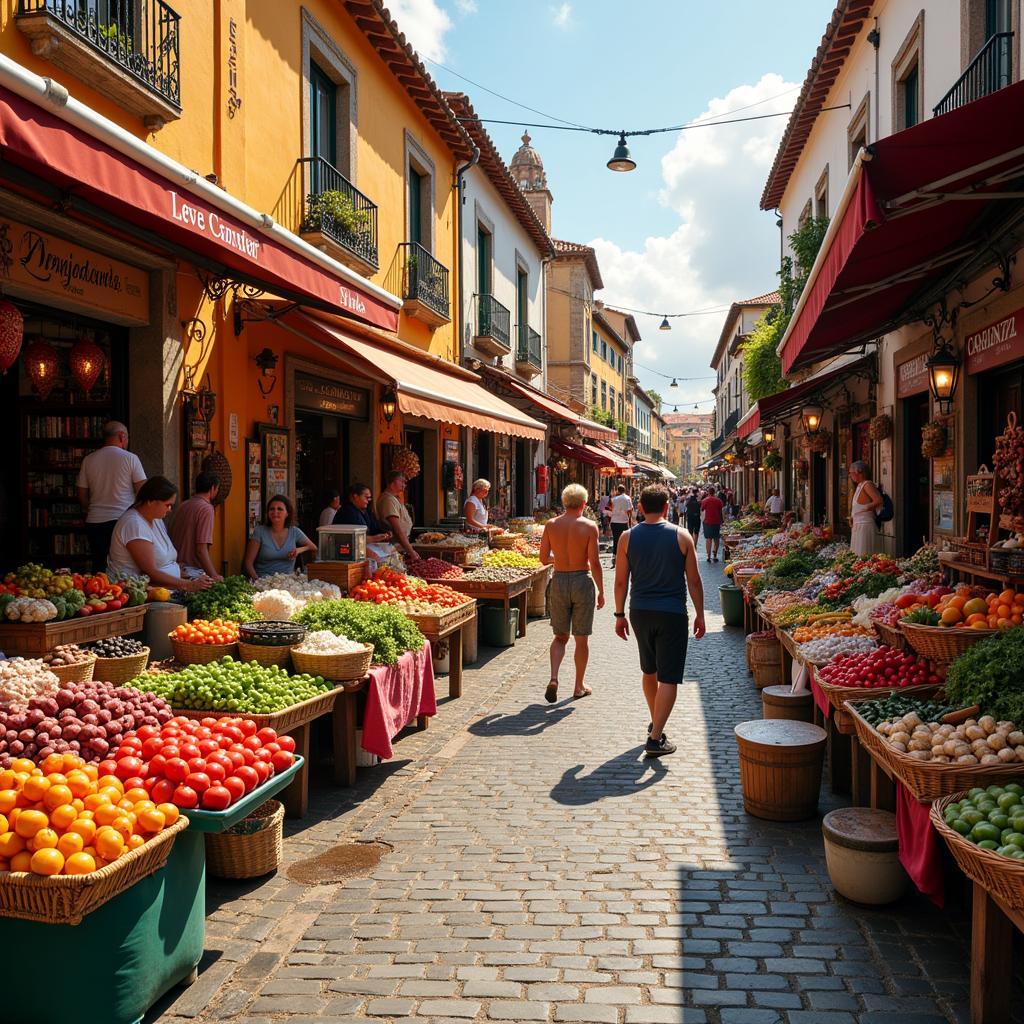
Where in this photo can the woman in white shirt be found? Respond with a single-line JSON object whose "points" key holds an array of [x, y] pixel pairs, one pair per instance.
{"points": [[475, 510], [140, 544], [866, 502]]}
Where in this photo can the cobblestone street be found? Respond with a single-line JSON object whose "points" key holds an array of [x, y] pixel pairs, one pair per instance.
{"points": [[542, 870]]}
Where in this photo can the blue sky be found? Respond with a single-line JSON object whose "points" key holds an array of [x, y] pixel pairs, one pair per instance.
{"points": [[682, 232]]}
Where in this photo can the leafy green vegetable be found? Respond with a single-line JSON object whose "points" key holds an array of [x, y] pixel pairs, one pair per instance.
{"points": [[390, 632], [227, 599], [991, 674]]}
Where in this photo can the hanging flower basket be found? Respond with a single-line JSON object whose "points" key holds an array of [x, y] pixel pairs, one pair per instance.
{"points": [[819, 442], [772, 462], [405, 461], [880, 428], [934, 440]]}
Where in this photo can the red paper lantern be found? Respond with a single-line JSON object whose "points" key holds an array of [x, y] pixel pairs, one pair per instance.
{"points": [[41, 367], [12, 332], [87, 362]]}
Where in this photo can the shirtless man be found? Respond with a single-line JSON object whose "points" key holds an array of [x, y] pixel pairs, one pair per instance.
{"points": [[569, 542]]}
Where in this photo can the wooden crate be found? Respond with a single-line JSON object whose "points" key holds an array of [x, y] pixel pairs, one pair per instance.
{"points": [[432, 626], [344, 575], [280, 721], [35, 638], [446, 552]]}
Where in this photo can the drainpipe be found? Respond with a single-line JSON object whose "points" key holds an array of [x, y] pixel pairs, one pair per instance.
{"points": [[459, 200], [875, 38]]}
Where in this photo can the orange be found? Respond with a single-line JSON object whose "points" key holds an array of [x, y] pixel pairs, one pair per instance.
{"points": [[109, 843], [1006, 597], [8, 800], [135, 841], [61, 817], [11, 844], [123, 824], [1003, 611], [30, 822], [44, 839], [975, 617], [79, 783], [21, 861], [91, 771], [957, 602], [79, 864], [136, 794], [106, 813], [35, 788], [111, 782], [112, 793], [23, 764], [152, 820], [951, 616], [70, 843], [7, 778], [170, 812], [94, 801], [57, 795], [85, 827], [47, 862], [983, 624], [53, 763], [72, 761], [4, 824]]}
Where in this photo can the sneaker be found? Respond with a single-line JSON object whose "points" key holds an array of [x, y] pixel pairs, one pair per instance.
{"points": [[650, 726], [657, 748]]}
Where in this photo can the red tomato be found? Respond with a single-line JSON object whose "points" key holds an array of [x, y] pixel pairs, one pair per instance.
{"points": [[153, 746], [176, 769], [130, 743], [248, 776], [237, 759], [263, 771], [184, 796], [199, 781], [252, 742], [287, 743], [135, 782], [197, 764], [171, 750], [146, 732], [267, 735], [235, 786], [247, 725], [189, 750], [217, 798], [264, 755], [107, 767], [217, 772], [162, 792], [128, 767], [208, 723], [272, 747], [282, 761], [157, 764], [207, 747], [250, 756]]}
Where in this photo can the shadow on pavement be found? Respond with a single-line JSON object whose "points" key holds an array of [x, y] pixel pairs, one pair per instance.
{"points": [[530, 721], [625, 774]]}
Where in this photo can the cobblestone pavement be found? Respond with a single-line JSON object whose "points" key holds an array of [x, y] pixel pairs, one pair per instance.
{"points": [[541, 870]]}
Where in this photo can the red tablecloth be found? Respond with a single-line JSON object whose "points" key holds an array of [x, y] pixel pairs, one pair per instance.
{"points": [[824, 706], [395, 697], [919, 846]]}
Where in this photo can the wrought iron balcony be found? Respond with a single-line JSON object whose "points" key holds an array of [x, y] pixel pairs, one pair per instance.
{"points": [[338, 212], [529, 358], [493, 322], [991, 70], [127, 48], [730, 422], [424, 285], [632, 435], [657, 455]]}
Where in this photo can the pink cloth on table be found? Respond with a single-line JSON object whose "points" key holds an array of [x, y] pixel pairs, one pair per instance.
{"points": [[919, 851], [396, 696], [819, 698]]}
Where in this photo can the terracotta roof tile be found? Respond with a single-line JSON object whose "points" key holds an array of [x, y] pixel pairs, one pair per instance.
{"points": [[768, 299], [563, 248]]}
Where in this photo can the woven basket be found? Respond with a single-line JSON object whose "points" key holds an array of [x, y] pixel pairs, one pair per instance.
{"points": [[890, 635], [504, 541], [940, 644], [263, 654], [335, 666], [838, 695], [66, 899], [929, 780], [80, 672], [1000, 875], [118, 671], [251, 848], [200, 654]]}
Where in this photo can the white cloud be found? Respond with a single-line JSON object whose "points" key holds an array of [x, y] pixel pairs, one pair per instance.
{"points": [[723, 247], [466, 6], [561, 16], [424, 24]]}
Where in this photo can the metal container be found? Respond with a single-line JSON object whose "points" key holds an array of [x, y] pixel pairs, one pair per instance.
{"points": [[341, 543]]}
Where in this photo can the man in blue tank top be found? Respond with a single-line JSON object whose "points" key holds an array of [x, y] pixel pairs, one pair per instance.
{"points": [[655, 564]]}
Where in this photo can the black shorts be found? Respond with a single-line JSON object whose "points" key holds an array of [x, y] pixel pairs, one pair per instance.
{"points": [[693, 525], [661, 638]]}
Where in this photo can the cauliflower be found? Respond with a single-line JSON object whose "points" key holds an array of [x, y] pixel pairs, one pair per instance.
{"points": [[27, 609], [277, 604]]}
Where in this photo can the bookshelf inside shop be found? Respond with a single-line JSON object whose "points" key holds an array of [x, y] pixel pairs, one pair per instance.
{"points": [[56, 433]]}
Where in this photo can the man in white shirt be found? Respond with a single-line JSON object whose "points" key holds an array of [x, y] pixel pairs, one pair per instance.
{"points": [[774, 505], [622, 516], [108, 481]]}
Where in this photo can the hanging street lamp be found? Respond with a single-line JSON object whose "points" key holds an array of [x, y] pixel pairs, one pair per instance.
{"points": [[943, 376], [811, 417], [621, 160], [768, 435], [664, 325]]}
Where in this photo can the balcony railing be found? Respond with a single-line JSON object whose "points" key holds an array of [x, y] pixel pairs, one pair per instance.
{"points": [[493, 321], [528, 347], [657, 455], [139, 36], [991, 70], [424, 280], [338, 210], [730, 422], [632, 435]]}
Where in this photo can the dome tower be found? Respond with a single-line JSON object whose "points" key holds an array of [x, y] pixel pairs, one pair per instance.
{"points": [[527, 168]]}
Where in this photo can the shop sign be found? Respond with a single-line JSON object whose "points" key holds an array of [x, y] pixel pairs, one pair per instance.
{"points": [[912, 376], [70, 274], [996, 343], [322, 395]]}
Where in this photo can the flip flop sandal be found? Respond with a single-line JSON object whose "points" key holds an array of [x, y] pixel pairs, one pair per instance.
{"points": [[586, 692], [551, 693]]}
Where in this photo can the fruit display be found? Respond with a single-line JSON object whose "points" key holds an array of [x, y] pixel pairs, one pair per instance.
{"points": [[271, 633], [229, 599], [201, 631], [981, 741], [815, 631], [923, 562], [833, 645], [882, 667], [960, 610], [498, 574], [991, 674], [241, 687], [779, 600], [23, 678], [991, 818], [1008, 463], [797, 614], [434, 569], [898, 705], [412, 595], [34, 594], [323, 641], [209, 764], [510, 560], [66, 817], [87, 719], [66, 654], [869, 576], [384, 626], [117, 647]]}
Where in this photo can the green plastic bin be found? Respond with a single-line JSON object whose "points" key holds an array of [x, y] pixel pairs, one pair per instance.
{"points": [[498, 628], [732, 604]]}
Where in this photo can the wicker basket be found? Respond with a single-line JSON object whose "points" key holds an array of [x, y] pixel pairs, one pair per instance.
{"points": [[1002, 876], [200, 654], [263, 654], [337, 667], [838, 695], [80, 672], [251, 848], [118, 671], [940, 644], [66, 899], [890, 635], [929, 780], [504, 541]]}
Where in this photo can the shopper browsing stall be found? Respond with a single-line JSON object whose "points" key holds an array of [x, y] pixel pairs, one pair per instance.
{"points": [[866, 502], [108, 482], [190, 528], [622, 516], [474, 509], [140, 544], [276, 542], [391, 511], [712, 510]]}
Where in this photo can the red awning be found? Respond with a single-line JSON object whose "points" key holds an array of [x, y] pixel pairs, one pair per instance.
{"points": [[624, 468], [583, 453], [914, 207], [750, 422], [58, 152]]}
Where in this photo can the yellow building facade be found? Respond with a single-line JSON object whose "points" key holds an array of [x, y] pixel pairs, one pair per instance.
{"points": [[610, 358]]}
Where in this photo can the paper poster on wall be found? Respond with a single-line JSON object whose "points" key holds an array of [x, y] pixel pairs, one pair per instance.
{"points": [[253, 484], [942, 473], [276, 483], [943, 504]]}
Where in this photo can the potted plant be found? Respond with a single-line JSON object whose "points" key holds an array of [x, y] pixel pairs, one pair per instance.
{"points": [[934, 440], [337, 210], [772, 462], [880, 427]]}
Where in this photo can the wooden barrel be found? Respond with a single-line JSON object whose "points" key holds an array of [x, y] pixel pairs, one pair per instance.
{"points": [[764, 656], [781, 702], [537, 597], [780, 768]]}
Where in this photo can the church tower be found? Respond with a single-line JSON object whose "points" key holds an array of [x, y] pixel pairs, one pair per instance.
{"points": [[528, 170]]}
